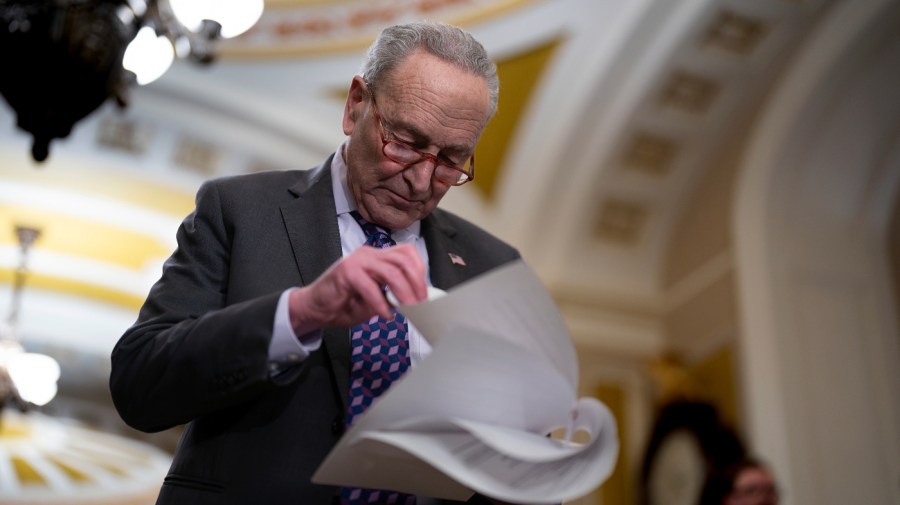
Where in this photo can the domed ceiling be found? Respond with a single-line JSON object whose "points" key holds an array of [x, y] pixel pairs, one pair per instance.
{"points": [[614, 116], [610, 114], [612, 163]]}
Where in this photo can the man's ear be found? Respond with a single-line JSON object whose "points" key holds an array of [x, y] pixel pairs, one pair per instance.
{"points": [[356, 102]]}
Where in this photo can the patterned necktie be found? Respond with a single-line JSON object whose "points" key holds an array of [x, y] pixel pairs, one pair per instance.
{"points": [[380, 355]]}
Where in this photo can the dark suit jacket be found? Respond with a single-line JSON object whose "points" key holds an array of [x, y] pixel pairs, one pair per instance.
{"points": [[198, 351]]}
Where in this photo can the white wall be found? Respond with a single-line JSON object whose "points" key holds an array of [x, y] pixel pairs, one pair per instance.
{"points": [[820, 346]]}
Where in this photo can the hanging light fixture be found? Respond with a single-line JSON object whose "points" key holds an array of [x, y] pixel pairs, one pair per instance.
{"points": [[183, 29], [63, 58], [148, 55], [26, 378], [234, 16]]}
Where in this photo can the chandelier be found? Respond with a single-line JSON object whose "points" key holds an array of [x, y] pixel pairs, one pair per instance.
{"points": [[62, 59]]}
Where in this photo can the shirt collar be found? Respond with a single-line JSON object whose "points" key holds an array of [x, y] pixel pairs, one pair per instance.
{"points": [[343, 200]]}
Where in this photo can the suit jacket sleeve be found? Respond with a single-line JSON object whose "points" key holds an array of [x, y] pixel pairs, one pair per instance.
{"points": [[195, 348]]}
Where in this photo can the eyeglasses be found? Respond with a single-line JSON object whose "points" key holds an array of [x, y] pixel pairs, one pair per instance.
{"points": [[446, 171]]}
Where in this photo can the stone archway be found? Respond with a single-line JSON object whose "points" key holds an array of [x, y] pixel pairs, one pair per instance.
{"points": [[819, 337]]}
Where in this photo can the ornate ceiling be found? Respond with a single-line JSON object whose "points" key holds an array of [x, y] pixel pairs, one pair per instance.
{"points": [[614, 163], [615, 118]]}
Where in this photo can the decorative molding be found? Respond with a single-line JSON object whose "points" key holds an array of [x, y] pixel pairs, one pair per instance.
{"points": [[650, 154], [608, 330], [735, 33], [124, 135], [620, 221], [197, 156], [688, 92], [611, 325], [49, 458], [312, 28]]}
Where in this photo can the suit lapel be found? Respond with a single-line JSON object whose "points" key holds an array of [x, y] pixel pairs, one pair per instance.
{"points": [[311, 223], [441, 241]]}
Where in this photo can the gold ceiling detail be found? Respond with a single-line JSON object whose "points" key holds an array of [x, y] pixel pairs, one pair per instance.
{"points": [[105, 233], [65, 234], [620, 221], [101, 183], [80, 256], [308, 28], [49, 461], [735, 33], [197, 156], [79, 289], [688, 92], [650, 154], [282, 4], [518, 77], [124, 135]]}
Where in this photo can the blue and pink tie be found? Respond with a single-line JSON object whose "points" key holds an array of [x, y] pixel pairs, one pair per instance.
{"points": [[379, 356]]}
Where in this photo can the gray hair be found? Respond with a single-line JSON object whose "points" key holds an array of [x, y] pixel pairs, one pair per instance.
{"points": [[447, 42]]}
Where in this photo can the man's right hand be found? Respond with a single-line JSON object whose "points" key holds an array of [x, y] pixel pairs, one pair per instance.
{"points": [[351, 291]]}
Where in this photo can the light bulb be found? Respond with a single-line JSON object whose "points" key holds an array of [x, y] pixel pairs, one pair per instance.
{"points": [[235, 16], [34, 375], [148, 55]]}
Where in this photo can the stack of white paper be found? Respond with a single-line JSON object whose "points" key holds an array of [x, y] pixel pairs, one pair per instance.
{"points": [[474, 416]]}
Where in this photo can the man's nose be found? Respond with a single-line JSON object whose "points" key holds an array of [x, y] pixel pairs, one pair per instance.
{"points": [[420, 174]]}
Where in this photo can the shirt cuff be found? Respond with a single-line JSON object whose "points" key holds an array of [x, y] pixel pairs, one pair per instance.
{"points": [[286, 348]]}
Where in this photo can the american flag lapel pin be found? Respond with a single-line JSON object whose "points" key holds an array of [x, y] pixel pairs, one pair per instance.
{"points": [[457, 259]]}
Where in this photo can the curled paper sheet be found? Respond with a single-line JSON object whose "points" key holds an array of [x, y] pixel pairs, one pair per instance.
{"points": [[433, 294], [474, 416]]}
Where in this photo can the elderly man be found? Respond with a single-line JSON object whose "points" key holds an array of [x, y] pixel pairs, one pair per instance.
{"points": [[259, 333]]}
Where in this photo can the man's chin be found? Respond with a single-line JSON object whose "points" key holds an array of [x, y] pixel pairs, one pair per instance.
{"points": [[394, 212], [397, 218], [401, 220]]}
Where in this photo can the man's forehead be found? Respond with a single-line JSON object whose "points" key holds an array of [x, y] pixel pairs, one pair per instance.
{"points": [[429, 70]]}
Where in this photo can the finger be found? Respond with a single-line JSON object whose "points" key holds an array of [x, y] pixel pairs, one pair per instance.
{"points": [[369, 289], [368, 271], [407, 280]]}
